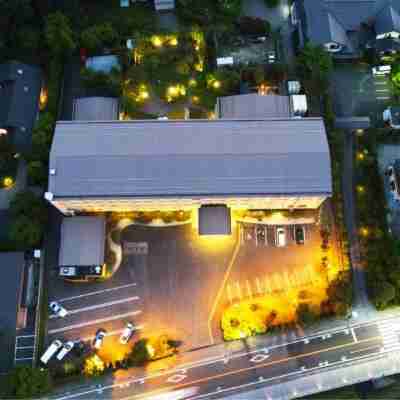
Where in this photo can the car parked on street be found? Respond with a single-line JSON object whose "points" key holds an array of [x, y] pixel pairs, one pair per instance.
{"points": [[127, 333], [280, 237], [65, 350], [51, 350], [57, 309], [99, 338], [299, 234]]}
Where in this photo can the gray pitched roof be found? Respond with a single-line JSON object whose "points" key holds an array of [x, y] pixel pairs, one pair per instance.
{"points": [[82, 241], [95, 109], [187, 158], [388, 19], [330, 20], [253, 106], [20, 87]]}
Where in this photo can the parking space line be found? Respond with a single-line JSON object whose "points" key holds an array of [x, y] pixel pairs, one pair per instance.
{"points": [[239, 291], [249, 291], [24, 336], [94, 293], [24, 358], [354, 335], [229, 293], [258, 284], [112, 333], [96, 306], [25, 347], [93, 322]]}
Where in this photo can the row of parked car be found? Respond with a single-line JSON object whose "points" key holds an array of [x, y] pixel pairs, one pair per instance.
{"points": [[260, 234], [57, 347]]}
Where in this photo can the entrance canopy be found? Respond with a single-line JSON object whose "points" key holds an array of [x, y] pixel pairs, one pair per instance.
{"points": [[214, 220]]}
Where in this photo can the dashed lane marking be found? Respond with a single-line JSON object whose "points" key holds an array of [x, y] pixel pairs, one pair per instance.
{"points": [[93, 322]]}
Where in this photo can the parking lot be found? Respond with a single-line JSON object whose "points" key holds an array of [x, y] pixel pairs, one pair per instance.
{"points": [[173, 281], [387, 155]]}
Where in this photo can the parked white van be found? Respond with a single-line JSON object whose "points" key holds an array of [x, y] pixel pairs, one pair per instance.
{"points": [[52, 349]]}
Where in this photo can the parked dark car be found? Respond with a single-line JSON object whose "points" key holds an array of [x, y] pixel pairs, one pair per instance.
{"points": [[299, 234]]}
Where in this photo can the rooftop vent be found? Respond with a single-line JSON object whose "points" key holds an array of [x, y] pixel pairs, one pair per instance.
{"points": [[52, 171], [26, 88], [20, 71]]}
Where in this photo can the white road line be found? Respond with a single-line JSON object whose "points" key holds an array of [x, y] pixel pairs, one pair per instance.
{"points": [[94, 293], [24, 336], [382, 90], [93, 322], [112, 333], [24, 358], [354, 335], [25, 347], [96, 306]]}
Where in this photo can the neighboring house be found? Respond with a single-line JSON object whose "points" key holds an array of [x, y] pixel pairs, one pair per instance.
{"points": [[95, 109], [11, 285], [253, 105], [164, 5], [20, 87], [185, 165], [346, 27]]}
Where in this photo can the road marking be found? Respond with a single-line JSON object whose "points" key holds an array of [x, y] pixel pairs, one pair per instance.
{"points": [[24, 359], [157, 375], [221, 289], [249, 291], [239, 292], [24, 336], [365, 348], [229, 292], [354, 335], [96, 306], [176, 378], [93, 322], [259, 358], [258, 285], [25, 347], [94, 293]]}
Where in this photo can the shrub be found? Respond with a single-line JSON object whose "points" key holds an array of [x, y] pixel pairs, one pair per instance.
{"points": [[26, 382], [305, 315], [254, 26], [97, 36], [139, 355]]}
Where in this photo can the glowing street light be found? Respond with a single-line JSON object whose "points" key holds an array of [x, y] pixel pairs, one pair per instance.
{"points": [[216, 84], [8, 182], [360, 156], [364, 231], [156, 41], [150, 350], [195, 99], [192, 82], [360, 189], [173, 41]]}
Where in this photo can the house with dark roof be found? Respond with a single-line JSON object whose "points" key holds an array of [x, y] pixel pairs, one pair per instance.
{"points": [[346, 27], [20, 87]]}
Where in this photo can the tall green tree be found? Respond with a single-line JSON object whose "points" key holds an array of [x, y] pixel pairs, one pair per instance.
{"points": [[59, 35], [98, 36], [26, 383]]}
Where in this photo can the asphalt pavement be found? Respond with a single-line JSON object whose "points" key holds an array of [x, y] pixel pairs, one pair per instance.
{"points": [[213, 378]]}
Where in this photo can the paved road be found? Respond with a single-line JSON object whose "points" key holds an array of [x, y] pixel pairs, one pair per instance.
{"points": [[253, 368], [360, 290]]}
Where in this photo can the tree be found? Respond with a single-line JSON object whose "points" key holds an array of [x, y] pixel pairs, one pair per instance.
{"points": [[97, 36], [254, 26], [139, 354], [30, 217], [305, 315], [26, 382], [59, 35], [37, 173], [271, 3], [314, 65], [383, 293]]}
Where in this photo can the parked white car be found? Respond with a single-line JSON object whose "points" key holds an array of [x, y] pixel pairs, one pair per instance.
{"points": [[65, 350], [280, 237], [127, 333], [57, 309], [98, 340], [51, 350]]}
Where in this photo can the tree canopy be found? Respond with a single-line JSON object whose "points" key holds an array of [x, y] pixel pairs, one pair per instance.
{"points": [[59, 35], [25, 382]]}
